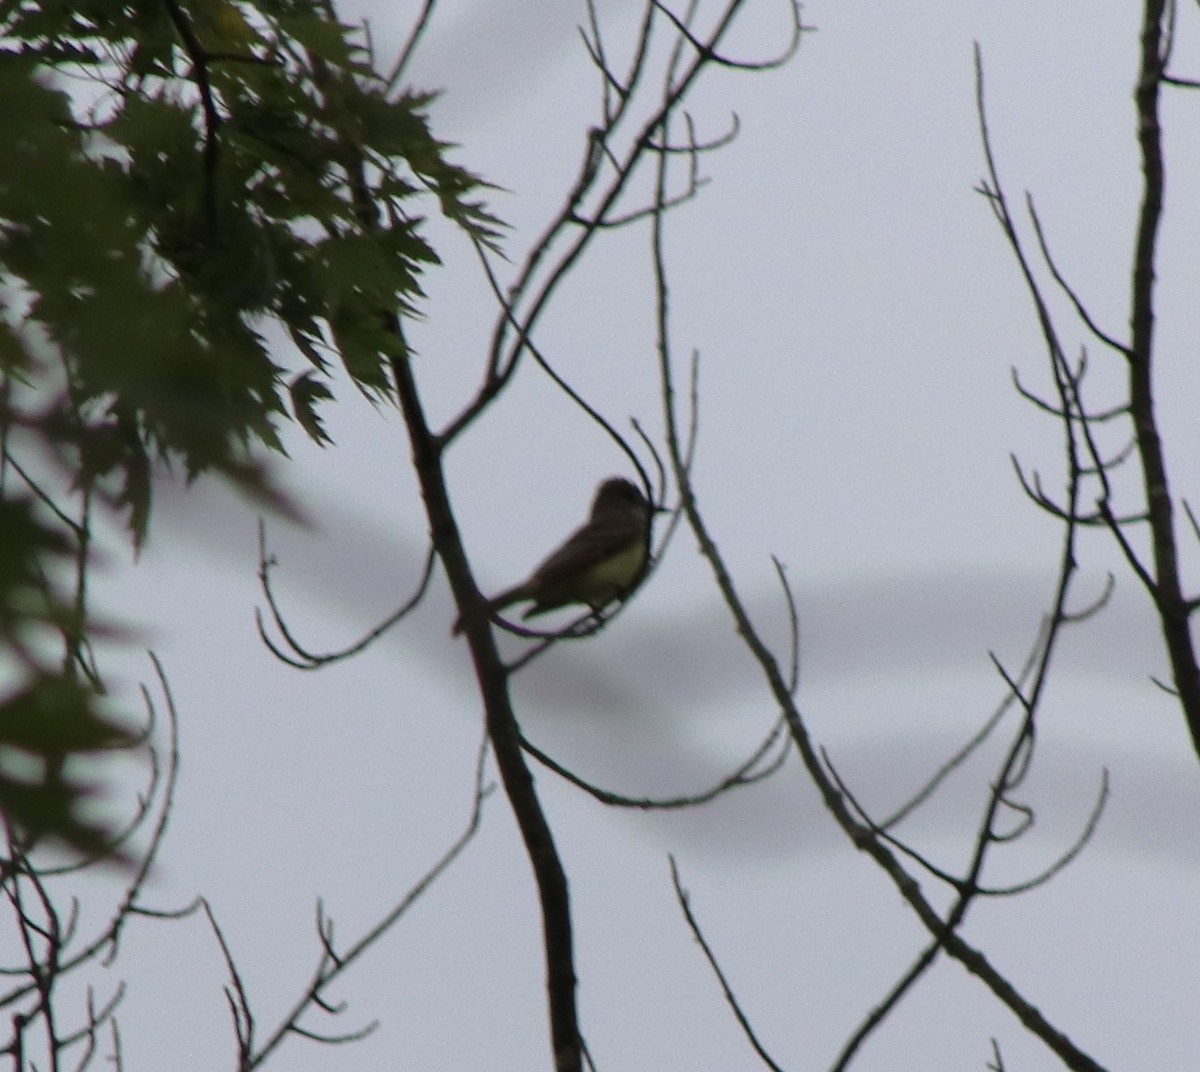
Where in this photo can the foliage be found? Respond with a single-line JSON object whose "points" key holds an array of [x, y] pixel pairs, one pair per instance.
{"points": [[184, 184]]}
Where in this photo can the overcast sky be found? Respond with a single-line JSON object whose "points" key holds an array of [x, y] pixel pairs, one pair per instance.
{"points": [[857, 316]]}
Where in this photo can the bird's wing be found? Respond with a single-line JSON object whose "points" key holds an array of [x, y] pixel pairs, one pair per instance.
{"points": [[560, 566], [583, 548]]}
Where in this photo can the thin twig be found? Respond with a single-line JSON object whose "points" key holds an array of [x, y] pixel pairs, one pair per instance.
{"points": [[745, 774], [730, 998]]}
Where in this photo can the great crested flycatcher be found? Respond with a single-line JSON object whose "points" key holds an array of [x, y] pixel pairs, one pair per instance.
{"points": [[599, 563]]}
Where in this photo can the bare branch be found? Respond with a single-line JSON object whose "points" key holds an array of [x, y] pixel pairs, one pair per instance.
{"points": [[730, 998], [537, 280], [863, 838], [745, 774], [1084, 837], [410, 46], [331, 964], [302, 658], [972, 745], [1067, 289], [789, 598], [881, 1011], [707, 49], [235, 992]]}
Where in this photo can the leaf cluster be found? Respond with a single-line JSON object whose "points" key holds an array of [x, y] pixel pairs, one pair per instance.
{"points": [[185, 185], [47, 715], [178, 176]]}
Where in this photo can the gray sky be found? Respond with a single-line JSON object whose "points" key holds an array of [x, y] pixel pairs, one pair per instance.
{"points": [[858, 316]]}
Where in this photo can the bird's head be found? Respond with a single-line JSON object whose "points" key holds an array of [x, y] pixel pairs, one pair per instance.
{"points": [[618, 494]]}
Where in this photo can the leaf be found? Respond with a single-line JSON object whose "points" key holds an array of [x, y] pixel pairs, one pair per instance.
{"points": [[322, 37], [29, 552], [55, 809], [307, 392], [307, 340], [51, 720], [364, 340], [53, 717]]}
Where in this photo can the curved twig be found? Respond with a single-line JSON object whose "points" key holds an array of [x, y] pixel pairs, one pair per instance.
{"points": [[1085, 835], [708, 49], [743, 775], [303, 659]]}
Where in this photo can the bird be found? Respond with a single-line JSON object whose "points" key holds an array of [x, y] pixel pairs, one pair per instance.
{"points": [[602, 561]]}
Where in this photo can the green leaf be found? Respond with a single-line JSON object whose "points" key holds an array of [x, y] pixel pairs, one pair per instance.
{"points": [[43, 728], [55, 809], [307, 392], [323, 38], [53, 717]]}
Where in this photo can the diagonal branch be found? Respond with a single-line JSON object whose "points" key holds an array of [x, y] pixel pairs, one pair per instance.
{"points": [[730, 998]]}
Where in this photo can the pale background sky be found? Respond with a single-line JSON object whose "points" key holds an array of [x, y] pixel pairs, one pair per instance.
{"points": [[858, 315]]}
